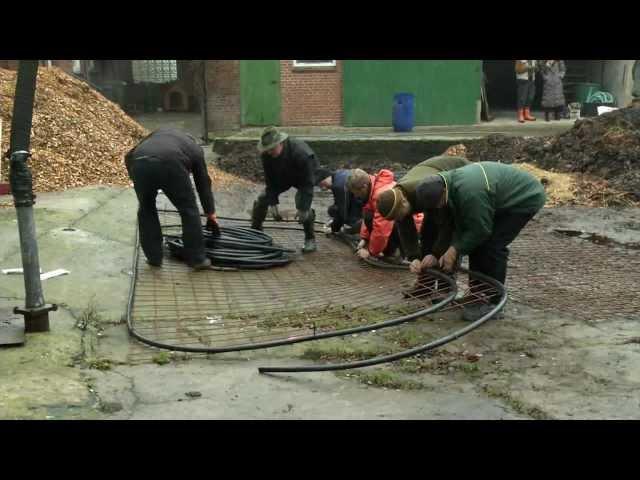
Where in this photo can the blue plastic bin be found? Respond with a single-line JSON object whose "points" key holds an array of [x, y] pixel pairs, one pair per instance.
{"points": [[403, 112]]}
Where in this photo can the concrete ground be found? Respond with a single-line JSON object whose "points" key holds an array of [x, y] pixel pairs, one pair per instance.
{"points": [[535, 364]]}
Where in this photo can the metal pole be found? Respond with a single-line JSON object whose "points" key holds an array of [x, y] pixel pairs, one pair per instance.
{"points": [[36, 312], [205, 102]]}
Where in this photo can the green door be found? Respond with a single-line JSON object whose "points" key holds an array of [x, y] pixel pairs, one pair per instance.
{"points": [[446, 91], [260, 92]]}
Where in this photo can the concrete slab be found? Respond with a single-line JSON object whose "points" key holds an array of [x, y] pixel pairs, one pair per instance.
{"points": [[235, 390], [38, 381]]}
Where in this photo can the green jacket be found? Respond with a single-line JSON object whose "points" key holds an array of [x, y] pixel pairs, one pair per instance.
{"points": [[478, 192], [441, 218], [434, 165]]}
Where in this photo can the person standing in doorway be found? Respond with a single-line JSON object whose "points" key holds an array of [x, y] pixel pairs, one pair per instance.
{"points": [[553, 72], [526, 85]]}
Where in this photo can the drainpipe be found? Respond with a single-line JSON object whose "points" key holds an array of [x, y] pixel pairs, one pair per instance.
{"points": [[35, 312], [205, 103]]}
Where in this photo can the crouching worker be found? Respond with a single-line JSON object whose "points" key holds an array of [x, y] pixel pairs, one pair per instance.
{"points": [[287, 162], [378, 236], [346, 211], [490, 204], [400, 204], [163, 160]]}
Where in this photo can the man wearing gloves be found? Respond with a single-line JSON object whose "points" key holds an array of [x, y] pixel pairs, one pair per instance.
{"points": [[490, 204], [400, 204], [287, 162], [163, 160]]}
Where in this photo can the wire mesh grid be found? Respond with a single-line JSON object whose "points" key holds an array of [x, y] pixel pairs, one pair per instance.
{"points": [[556, 273], [326, 290], [331, 289]]}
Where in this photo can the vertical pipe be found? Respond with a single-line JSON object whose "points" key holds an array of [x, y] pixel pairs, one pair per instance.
{"points": [[35, 311]]}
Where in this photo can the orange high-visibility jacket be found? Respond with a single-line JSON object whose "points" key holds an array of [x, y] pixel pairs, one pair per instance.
{"points": [[382, 228]]}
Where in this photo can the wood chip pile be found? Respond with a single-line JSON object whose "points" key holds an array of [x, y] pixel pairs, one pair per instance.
{"points": [[78, 136]]}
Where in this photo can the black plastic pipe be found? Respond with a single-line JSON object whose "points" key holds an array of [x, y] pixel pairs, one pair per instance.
{"points": [[407, 353]]}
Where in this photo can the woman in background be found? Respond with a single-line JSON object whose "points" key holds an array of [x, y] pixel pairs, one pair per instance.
{"points": [[552, 71]]}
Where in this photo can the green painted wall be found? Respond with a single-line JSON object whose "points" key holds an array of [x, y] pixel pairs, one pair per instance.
{"points": [[259, 92], [447, 91]]}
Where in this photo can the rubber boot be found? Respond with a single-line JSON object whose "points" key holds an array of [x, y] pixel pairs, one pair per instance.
{"points": [[521, 115], [528, 116], [203, 265], [309, 234], [556, 114], [258, 214], [546, 115]]}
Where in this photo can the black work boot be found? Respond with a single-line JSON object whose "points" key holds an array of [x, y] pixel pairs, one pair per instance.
{"points": [[155, 263], [258, 214], [202, 265], [309, 234]]}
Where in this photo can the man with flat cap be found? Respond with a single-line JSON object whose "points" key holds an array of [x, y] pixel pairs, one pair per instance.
{"points": [[287, 162], [400, 204], [490, 204]]}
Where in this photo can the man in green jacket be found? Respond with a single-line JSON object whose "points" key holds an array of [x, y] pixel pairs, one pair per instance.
{"points": [[400, 204], [490, 204]]}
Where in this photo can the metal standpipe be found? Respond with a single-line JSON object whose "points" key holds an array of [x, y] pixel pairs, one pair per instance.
{"points": [[35, 312]]}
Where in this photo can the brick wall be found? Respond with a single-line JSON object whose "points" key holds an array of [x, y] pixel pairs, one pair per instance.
{"points": [[310, 96], [223, 94]]}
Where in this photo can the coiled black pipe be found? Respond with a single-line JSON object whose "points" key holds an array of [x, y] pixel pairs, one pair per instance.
{"points": [[236, 247], [407, 353]]}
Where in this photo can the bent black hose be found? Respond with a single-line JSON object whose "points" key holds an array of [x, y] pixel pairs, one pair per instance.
{"points": [[290, 340], [407, 353]]}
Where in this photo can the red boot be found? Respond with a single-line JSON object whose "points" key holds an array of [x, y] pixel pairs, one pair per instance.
{"points": [[521, 115], [528, 116]]}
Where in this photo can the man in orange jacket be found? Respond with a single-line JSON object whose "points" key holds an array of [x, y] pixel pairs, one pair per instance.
{"points": [[378, 236]]}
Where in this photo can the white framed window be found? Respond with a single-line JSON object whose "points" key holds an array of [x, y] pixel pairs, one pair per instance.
{"points": [[313, 63]]}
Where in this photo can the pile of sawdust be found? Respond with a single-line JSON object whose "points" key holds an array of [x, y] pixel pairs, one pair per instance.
{"points": [[458, 150], [78, 137], [560, 187], [222, 180]]}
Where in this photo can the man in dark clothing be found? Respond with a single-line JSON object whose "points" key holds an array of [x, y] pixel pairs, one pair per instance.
{"points": [[163, 160], [490, 204], [287, 162], [346, 210]]}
